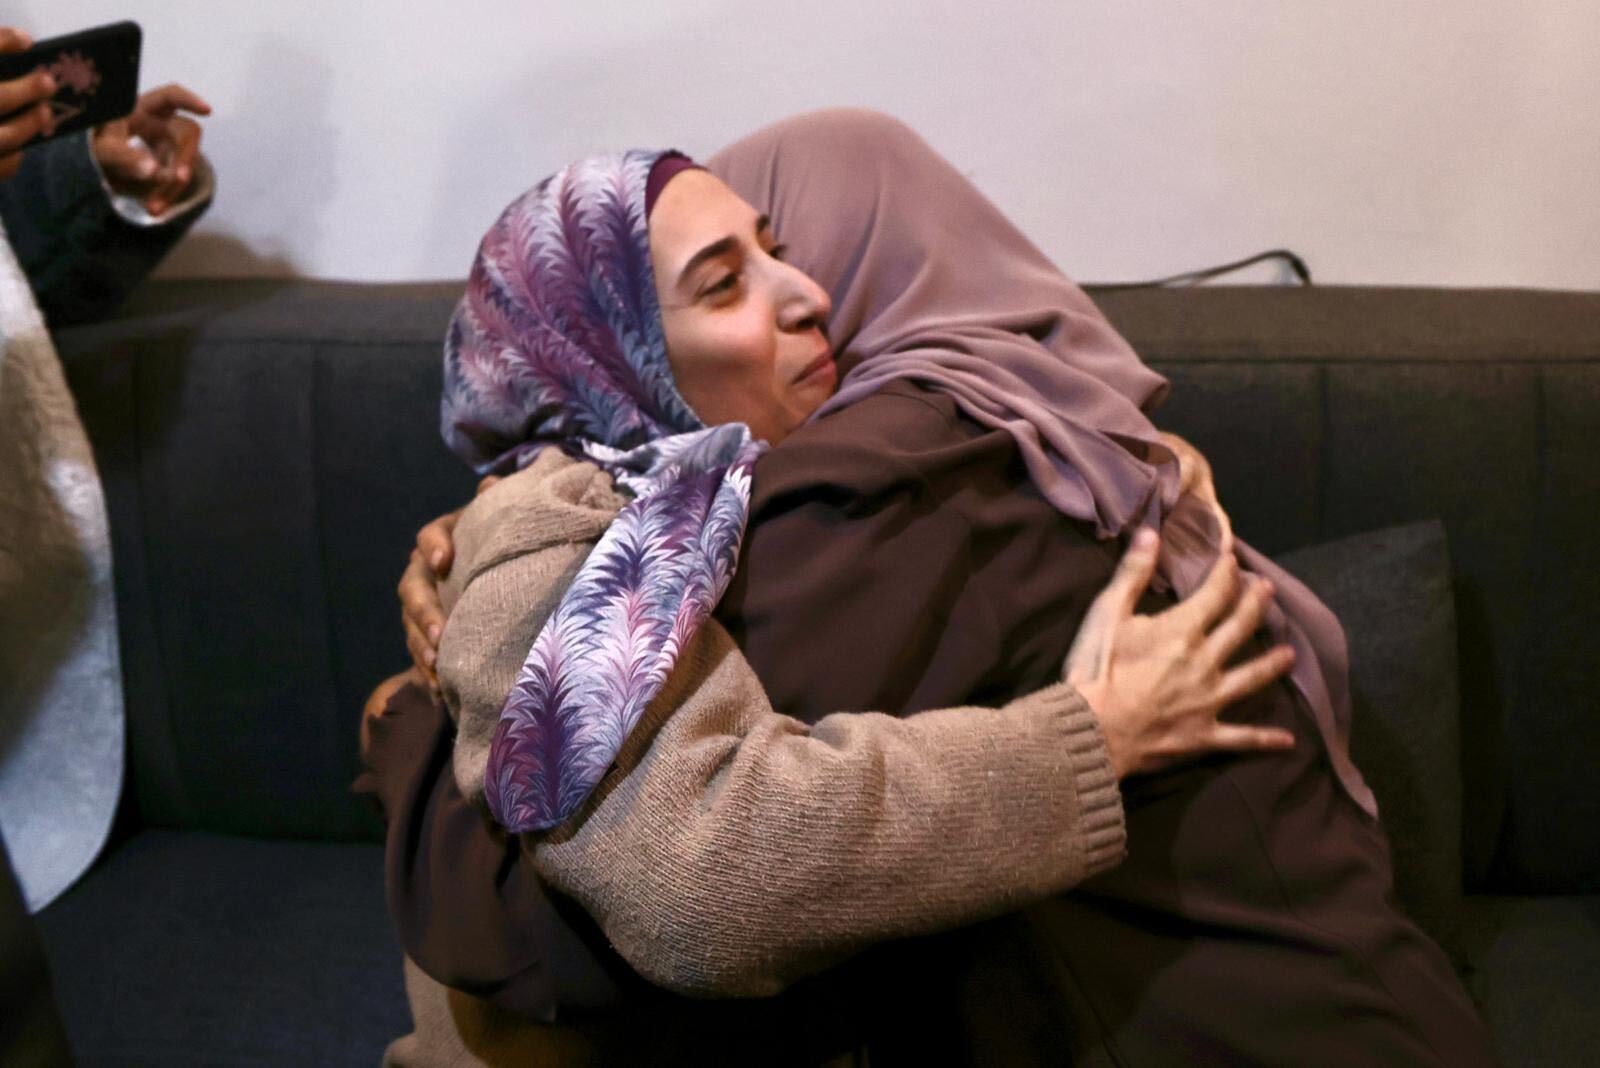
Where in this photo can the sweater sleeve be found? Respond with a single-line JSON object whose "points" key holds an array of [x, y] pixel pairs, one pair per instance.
{"points": [[734, 850]]}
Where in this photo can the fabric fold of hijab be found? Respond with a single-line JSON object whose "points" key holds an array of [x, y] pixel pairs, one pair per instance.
{"points": [[929, 281], [558, 343]]}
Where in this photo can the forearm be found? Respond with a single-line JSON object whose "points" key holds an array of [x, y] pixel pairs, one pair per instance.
{"points": [[81, 256], [735, 851]]}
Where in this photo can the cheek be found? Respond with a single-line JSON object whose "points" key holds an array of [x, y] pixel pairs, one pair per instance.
{"points": [[722, 364]]}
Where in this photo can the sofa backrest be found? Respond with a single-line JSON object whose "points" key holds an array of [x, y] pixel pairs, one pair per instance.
{"points": [[269, 450]]}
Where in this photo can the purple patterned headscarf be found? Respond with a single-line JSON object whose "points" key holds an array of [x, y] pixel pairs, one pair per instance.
{"points": [[558, 342]]}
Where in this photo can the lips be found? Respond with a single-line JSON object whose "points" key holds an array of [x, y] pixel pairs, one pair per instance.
{"points": [[816, 365]]}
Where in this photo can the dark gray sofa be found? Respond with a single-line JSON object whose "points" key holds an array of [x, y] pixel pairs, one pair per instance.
{"points": [[268, 450]]}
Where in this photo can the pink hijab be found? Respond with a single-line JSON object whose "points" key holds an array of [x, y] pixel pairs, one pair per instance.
{"points": [[930, 281]]}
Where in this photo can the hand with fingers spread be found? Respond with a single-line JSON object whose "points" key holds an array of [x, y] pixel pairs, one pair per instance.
{"points": [[1158, 683], [421, 612], [24, 103], [151, 154]]}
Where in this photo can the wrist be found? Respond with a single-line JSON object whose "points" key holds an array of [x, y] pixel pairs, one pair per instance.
{"points": [[1096, 693]]}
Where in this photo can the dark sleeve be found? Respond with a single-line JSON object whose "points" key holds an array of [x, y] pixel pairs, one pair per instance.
{"points": [[82, 258], [467, 906]]}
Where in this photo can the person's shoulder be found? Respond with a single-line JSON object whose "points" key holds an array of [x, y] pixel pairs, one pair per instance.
{"points": [[553, 502], [885, 440]]}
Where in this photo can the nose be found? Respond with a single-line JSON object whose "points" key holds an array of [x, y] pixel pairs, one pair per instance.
{"points": [[805, 304]]}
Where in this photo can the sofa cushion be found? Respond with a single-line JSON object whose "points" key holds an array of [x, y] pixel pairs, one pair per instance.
{"points": [[189, 948], [1534, 968], [1391, 590]]}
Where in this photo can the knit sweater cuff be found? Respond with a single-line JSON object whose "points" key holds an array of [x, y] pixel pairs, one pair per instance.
{"points": [[1101, 832]]}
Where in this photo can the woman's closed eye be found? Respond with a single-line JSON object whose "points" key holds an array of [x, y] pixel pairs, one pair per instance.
{"points": [[720, 288], [723, 285]]}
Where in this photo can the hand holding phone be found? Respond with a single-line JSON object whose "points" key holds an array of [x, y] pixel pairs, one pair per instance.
{"points": [[24, 103], [95, 73]]}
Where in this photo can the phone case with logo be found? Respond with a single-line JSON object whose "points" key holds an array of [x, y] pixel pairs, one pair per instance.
{"points": [[96, 73]]}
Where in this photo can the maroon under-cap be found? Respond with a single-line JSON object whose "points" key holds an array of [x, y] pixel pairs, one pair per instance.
{"points": [[671, 163]]}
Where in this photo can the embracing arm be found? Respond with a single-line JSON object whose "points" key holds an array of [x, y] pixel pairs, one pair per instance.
{"points": [[735, 850], [721, 804], [731, 849]]}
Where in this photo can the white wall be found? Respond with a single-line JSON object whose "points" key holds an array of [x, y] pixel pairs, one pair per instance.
{"points": [[1388, 141]]}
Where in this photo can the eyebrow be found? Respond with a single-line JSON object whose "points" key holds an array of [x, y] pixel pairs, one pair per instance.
{"points": [[720, 247]]}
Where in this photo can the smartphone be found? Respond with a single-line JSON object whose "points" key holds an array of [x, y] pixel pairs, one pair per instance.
{"points": [[96, 73]]}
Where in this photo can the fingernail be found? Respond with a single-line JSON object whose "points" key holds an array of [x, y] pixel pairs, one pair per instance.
{"points": [[436, 559], [146, 168], [430, 658], [1145, 539], [433, 633], [181, 175], [156, 207]]}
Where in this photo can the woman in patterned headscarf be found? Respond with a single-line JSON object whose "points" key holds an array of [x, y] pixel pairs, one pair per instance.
{"points": [[593, 328], [669, 353], [641, 360]]}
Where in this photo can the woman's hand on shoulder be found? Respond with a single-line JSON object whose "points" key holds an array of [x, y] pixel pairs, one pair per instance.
{"points": [[421, 611], [1158, 683]]}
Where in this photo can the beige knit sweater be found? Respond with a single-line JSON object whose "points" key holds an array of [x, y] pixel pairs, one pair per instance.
{"points": [[731, 850]]}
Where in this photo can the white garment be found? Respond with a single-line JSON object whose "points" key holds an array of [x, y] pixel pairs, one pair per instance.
{"points": [[61, 708]]}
